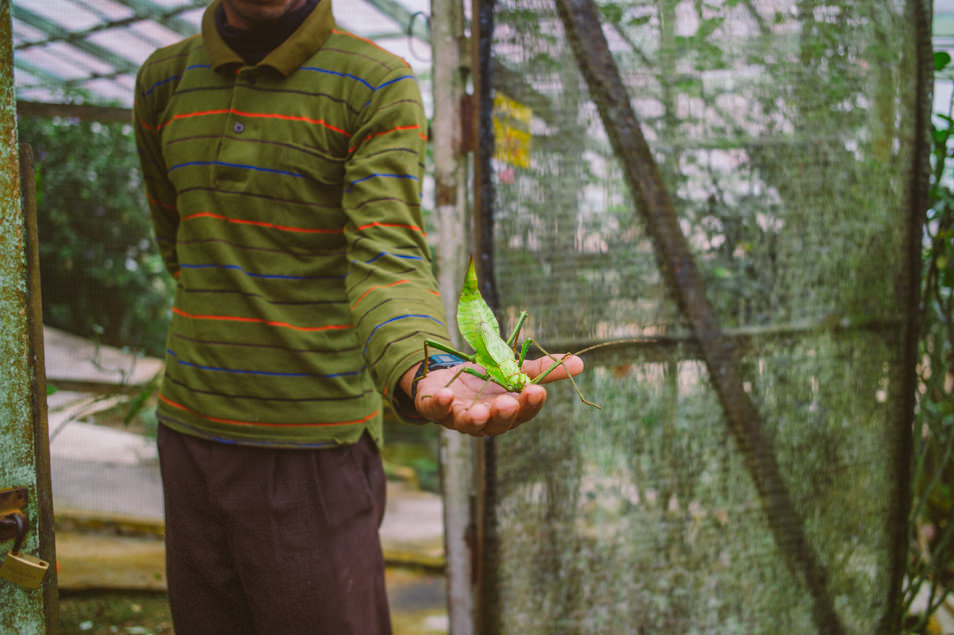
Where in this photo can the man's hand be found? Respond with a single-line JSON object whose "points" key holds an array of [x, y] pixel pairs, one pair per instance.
{"points": [[481, 408]]}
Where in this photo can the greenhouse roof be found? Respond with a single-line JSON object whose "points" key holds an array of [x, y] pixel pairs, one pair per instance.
{"points": [[88, 51]]}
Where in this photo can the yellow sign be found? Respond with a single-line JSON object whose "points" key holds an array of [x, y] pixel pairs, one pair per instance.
{"points": [[511, 131]]}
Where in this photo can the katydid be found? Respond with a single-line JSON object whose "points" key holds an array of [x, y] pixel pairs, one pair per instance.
{"points": [[499, 359]]}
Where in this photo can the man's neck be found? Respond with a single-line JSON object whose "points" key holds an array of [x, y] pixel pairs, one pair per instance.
{"points": [[254, 43]]}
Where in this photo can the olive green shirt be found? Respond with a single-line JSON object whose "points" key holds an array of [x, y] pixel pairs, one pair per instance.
{"points": [[286, 201]]}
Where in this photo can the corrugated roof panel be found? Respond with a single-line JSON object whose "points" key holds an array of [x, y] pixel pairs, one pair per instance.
{"points": [[414, 6], [66, 14], [124, 43], [56, 65], [25, 78], [412, 50], [360, 17], [23, 33], [110, 90], [194, 17], [47, 63], [81, 59], [171, 4], [109, 9], [127, 81], [155, 33]]}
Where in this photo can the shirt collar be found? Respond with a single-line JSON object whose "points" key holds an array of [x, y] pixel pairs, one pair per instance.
{"points": [[287, 56]]}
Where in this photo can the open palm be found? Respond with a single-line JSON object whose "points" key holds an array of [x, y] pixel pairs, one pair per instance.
{"points": [[474, 406]]}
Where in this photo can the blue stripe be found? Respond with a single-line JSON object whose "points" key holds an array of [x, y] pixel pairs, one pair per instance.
{"points": [[260, 372], [161, 82], [395, 319], [384, 253], [397, 79], [267, 276], [382, 176], [175, 77], [348, 75], [237, 165]]}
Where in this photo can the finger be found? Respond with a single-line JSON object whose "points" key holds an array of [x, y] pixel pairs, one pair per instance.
{"points": [[531, 402], [503, 414], [474, 420], [435, 407], [571, 365]]}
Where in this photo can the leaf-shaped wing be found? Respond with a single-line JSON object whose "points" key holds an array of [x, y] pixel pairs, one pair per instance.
{"points": [[474, 318], [497, 349]]}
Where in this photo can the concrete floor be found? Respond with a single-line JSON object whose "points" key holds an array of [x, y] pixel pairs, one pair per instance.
{"points": [[108, 499]]}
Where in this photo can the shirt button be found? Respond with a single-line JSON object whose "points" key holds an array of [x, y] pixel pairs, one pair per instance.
{"points": [[238, 127]]}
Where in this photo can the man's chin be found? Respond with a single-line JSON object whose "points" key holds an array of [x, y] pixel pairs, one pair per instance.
{"points": [[256, 12]]}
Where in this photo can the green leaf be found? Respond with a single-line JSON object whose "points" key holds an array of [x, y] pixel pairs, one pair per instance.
{"points": [[639, 20], [708, 27], [612, 13], [941, 59]]}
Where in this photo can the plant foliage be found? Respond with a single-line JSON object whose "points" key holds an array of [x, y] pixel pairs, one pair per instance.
{"points": [[101, 274], [931, 556]]}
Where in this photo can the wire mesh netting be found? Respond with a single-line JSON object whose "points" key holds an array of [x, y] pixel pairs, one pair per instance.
{"points": [[787, 133]]}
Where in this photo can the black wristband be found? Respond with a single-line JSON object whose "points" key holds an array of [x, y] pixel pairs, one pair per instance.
{"points": [[433, 362]]}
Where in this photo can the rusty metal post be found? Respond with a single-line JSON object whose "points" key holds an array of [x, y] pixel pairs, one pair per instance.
{"points": [[451, 217], [24, 448]]}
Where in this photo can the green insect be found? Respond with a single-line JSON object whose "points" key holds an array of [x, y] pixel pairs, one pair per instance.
{"points": [[499, 358]]}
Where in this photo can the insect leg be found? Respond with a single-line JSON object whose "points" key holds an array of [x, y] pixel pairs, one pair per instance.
{"points": [[447, 349], [476, 373], [523, 352], [511, 341], [428, 344], [559, 362]]}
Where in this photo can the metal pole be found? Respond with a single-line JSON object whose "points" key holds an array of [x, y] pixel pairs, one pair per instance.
{"points": [[451, 218], [23, 441]]}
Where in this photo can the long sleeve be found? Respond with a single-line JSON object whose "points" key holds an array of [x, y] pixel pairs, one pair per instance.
{"points": [[390, 284], [160, 193]]}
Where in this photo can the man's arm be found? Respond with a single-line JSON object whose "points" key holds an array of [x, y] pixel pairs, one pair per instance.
{"points": [[160, 193], [395, 303], [393, 294]]}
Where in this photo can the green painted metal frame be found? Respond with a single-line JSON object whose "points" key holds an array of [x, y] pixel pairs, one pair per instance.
{"points": [[24, 440]]}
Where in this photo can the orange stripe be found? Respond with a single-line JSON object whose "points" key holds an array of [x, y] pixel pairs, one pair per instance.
{"points": [[376, 224], [358, 37], [262, 423], [233, 111], [380, 286], [146, 126], [156, 201], [284, 228], [398, 129], [233, 318], [302, 230]]}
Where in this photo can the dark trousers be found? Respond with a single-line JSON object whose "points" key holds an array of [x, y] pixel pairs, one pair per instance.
{"points": [[273, 542]]}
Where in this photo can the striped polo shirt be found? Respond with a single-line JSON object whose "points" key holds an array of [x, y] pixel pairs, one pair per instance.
{"points": [[286, 202]]}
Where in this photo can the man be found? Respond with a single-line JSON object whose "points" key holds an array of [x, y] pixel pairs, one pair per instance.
{"points": [[283, 159]]}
